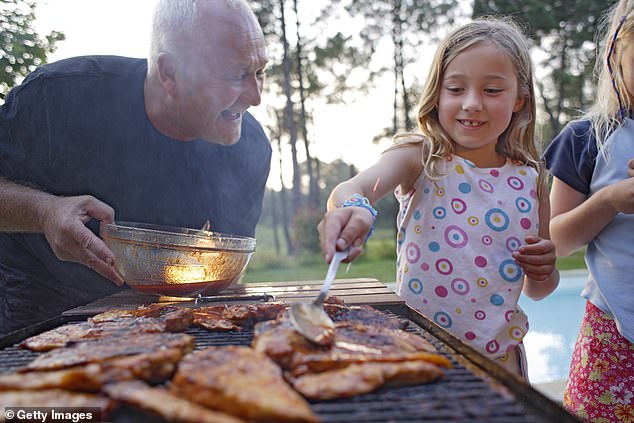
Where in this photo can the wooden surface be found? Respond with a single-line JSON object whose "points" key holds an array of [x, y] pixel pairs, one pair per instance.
{"points": [[352, 291]]}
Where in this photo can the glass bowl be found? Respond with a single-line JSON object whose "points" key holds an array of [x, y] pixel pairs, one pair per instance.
{"points": [[179, 262]]}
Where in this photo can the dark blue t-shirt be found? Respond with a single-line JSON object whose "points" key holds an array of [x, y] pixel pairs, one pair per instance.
{"points": [[79, 126], [571, 155]]}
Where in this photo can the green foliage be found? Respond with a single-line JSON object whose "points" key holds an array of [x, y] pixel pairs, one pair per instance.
{"points": [[565, 31], [304, 230], [21, 48]]}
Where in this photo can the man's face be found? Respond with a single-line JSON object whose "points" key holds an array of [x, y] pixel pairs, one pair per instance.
{"points": [[223, 78]]}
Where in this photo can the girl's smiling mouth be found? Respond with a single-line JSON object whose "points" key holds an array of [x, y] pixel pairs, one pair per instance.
{"points": [[471, 123]]}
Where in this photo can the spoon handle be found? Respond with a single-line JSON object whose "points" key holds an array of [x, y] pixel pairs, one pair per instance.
{"points": [[330, 275]]}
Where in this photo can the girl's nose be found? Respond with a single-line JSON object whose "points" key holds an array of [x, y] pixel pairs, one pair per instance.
{"points": [[472, 102]]}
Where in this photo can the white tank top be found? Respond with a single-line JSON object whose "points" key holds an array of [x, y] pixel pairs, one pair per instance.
{"points": [[454, 245]]}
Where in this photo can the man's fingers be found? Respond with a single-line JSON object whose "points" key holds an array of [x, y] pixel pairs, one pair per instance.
{"points": [[103, 268], [99, 210], [94, 253]]}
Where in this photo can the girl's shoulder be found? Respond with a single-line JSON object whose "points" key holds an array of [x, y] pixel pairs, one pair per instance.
{"points": [[571, 154], [577, 139]]}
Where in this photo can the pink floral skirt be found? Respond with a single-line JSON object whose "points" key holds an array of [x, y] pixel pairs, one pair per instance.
{"points": [[600, 387]]}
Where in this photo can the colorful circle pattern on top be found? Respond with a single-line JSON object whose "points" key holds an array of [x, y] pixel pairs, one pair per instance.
{"points": [[455, 240]]}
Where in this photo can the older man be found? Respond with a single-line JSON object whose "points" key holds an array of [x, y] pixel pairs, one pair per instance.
{"points": [[165, 140]]}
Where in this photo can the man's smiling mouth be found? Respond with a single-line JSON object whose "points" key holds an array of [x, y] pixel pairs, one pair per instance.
{"points": [[228, 114]]}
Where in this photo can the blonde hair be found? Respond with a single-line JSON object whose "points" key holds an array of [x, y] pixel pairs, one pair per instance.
{"points": [[518, 140], [617, 28]]}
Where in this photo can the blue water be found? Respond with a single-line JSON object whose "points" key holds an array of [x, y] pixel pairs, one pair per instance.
{"points": [[554, 325]]}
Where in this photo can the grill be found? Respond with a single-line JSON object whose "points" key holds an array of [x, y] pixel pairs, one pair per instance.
{"points": [[474, 390]]}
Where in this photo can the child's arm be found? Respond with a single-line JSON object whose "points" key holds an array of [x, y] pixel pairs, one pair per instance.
{"points": [[537, 257], [344, 226], [577, 219]]}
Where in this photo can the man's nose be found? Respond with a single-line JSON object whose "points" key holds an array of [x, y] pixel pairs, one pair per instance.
{"points": [[252, 90]]}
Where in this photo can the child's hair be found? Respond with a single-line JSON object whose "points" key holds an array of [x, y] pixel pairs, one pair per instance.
{"points": [[613, 102], [517, 142]]}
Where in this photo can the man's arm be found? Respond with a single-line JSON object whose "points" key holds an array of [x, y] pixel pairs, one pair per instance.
{"points": [[62, 221]]}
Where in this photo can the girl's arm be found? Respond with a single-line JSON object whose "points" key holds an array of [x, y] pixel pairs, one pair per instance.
{"points": [[577, 219], [537, 257], [345, 226]]}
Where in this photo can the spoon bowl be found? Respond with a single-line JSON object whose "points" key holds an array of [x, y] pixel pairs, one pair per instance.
{"points": [[309, 318]]}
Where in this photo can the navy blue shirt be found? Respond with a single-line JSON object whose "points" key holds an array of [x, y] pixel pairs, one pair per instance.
{"points": [[79, 126], [571, 155]]}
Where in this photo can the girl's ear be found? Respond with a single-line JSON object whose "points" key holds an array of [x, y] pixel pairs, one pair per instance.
{"points": [[519, 103]]}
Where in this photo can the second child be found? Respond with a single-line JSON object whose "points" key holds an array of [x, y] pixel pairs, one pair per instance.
{"points": [[592, 162], [474, 208]]}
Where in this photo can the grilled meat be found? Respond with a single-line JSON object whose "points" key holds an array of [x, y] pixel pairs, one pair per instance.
{"points": [[98, 350], [64, 335], [363, 314], [176, 319], [153, 367], [212, 320], [55, 398], [362, 378], [354, 343], [162, 402], [234, 317], [242, 382]]}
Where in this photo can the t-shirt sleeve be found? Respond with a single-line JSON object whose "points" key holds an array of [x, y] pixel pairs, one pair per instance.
{"points": [[24, 134], [571, 155]]}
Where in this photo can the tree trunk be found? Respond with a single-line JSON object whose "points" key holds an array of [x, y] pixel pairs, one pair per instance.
{"points": [[397, 38], [312, 182], [289, 121], [275, 220], [283, 202]]}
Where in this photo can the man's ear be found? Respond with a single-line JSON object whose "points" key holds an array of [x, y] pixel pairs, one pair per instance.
{"points": [[519, 103], [167, 72]]}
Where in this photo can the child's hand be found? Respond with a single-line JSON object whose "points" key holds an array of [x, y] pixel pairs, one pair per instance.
{"points": [[342, 227], [537, 258]]}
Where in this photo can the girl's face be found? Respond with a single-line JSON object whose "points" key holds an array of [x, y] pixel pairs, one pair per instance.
{"points": [[478, 95], [627, 66]]}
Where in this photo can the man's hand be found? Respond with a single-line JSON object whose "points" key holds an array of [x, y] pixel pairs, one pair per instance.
{"points": [[64, 225]]}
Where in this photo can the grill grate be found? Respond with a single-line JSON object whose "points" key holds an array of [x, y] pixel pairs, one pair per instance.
{"points": [[461, 396]]}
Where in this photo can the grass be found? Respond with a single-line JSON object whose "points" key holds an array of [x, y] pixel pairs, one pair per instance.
{"points": [[377, 262]]}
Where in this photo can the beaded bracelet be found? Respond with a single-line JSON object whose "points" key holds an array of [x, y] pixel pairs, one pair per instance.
{"points": [[358, 200]]}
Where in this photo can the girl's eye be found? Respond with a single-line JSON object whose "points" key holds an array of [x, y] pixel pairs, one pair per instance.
{"points": [[493, 90], [454, 90]]}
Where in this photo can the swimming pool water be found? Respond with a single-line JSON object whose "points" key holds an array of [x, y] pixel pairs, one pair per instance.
{"points": [[554, 323]]}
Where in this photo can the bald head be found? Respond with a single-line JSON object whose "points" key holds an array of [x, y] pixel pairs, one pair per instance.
{"points": [[183, 27]]}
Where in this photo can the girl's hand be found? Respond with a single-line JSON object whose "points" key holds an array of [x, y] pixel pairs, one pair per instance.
{"points": [[342, 227], [537, 258]]}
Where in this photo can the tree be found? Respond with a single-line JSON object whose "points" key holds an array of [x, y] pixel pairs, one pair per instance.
{"points": [[564, 31], [21, 48], [407, 23], [301, 70]]}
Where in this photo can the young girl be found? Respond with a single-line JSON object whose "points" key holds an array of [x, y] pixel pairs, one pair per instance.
{"points": [[593, 204], [473, 219]]}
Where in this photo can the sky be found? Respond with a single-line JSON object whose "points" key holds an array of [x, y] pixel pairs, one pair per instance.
{"points": [[122, 27]]}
